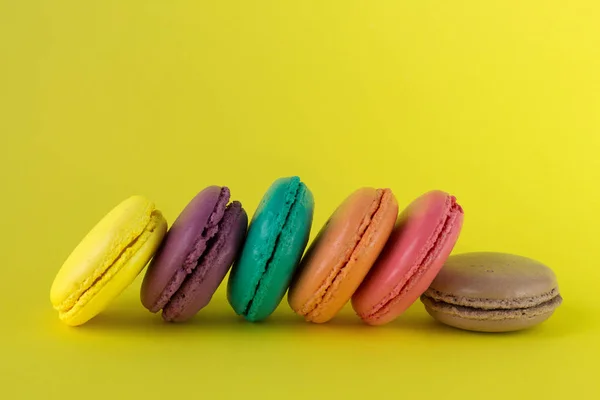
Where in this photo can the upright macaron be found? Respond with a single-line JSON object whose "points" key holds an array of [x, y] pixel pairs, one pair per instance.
{"points": [[342, 254], [107, 260], [277, 237], [195, 256], [424, 236], [492, 292]]}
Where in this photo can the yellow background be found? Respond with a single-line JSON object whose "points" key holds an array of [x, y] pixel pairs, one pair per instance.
{"points": [[497, 102]]}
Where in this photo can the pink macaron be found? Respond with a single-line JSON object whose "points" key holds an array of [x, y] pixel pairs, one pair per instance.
{"points": [[423, 238]]}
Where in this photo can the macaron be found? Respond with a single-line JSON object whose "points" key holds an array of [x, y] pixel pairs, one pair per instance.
{"points": [[492, 292], [277, 237], [423, 238], [196, 255], [342, 254], [107, 260]]}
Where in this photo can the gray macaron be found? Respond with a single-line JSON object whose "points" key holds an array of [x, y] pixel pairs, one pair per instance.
{"points": [[492, 292]]}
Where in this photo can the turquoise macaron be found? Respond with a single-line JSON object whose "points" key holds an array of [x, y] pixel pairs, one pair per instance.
{"points": [[276, 239]]}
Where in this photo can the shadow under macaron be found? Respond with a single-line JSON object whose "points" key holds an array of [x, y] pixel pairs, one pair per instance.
{"points": [[129, 318]]}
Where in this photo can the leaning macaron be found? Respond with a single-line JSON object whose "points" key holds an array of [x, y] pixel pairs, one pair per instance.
{"points": [[276, 239], [107, 260], [492, 292], [195, 256], [342, 254], [424, 236]]}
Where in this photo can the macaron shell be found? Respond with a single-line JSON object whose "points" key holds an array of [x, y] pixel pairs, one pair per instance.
{"points": [[494, 276], [99, 249], [270, 254], [265, 227], [292, 242], [177, 245], [483, 325], [399, 263], [194, 296], [339, 247], [100, 299]]}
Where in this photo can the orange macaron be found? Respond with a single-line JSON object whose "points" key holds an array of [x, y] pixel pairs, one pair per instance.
{"points": [[342, 254]]}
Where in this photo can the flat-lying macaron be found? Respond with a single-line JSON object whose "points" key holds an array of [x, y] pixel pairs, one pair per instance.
{"points": [[492, 292], [424, 236], [342, 254], [277, 237], [195, 256], [107, 260]]}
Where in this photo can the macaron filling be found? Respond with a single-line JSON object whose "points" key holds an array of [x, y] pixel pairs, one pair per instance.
{"points": [[491, 304], [492, 309], [290, 207], [89, 287], [431, 251], [340, 270], [192, 260]]}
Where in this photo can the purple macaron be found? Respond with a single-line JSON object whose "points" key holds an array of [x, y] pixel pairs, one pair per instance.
{"points": [[195, 256]]}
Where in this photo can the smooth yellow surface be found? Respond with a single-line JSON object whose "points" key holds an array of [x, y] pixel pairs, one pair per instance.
{"points": [[107, 260], [497, 102]]}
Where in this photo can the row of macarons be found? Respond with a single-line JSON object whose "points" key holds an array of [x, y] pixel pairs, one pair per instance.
{"points": [[367, 253]]}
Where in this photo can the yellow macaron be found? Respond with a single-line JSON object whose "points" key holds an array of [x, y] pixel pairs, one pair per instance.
{"points": [[107, 260]]}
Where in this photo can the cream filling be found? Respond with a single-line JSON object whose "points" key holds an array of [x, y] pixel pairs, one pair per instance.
{"points": [[491, 304], [492, 314]]}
